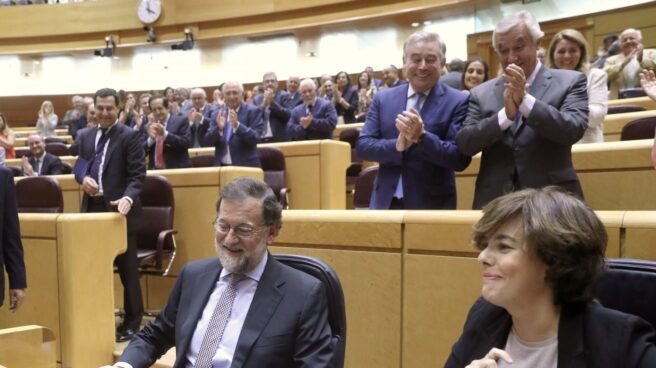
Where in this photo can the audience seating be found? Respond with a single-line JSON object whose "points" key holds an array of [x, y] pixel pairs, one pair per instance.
{"points": [[621, 109], [631, 92], [202, 161], [351, 137], [334, 294], [39, 194], [57, 149], [273, 165], [629, 285], [55, 140], [639, 129], [155, 241], [364, 186], [66, 168], [22, 152]]}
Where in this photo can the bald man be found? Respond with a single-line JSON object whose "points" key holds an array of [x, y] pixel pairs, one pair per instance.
{"points": [[315, 118]]}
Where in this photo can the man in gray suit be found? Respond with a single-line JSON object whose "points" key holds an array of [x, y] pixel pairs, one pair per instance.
{"points": [[525, 121]]}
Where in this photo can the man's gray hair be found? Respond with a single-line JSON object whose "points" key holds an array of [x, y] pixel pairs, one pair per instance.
{"points": [[199, 90], [423, 36], [268, 74], [509, 22], [307, 81], [631, 30], [245, 187], [238, 84]]}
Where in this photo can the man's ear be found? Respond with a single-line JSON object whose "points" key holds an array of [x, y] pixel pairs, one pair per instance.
{"points": [[274, 230]]}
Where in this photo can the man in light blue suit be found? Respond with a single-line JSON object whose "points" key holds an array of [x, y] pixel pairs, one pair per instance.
{"points": [[236, 130], [315, 118], [410, 131]]}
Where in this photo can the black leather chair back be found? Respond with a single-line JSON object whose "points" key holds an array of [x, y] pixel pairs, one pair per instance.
{"points": [[334, 294], [55, 140], [351, 136], [67, 168], [17, 171], [642, 128], [629, 285], [631, 92], [57, 149], [273, 165], [154, 239], [39, 194], [621, 109], [202, 161], [363, 187]]}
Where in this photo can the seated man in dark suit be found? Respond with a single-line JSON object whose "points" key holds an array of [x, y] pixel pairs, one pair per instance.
{"points": [[293, 85], [40, 162], [169, 137], [410, 130], [11, 248], [316, 118], [391, 78], [244, 309], [236, 130], [525, 134]]}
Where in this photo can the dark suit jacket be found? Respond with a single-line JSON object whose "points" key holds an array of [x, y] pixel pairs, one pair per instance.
{"points": [[11, 248], [589, 336], [540, 149], [452, 79], [124, 169], [428, 166], [51, 165], [198, 129], [286, 325], [324, 120], [295, 99], [176, 144], [243, 142], [280, 111], [350, 95]]}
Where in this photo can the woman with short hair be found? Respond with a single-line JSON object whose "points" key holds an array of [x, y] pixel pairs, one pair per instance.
{"points": [[541, 251]]}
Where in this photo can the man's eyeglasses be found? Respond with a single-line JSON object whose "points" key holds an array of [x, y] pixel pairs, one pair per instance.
{"points": [[241, 230]]}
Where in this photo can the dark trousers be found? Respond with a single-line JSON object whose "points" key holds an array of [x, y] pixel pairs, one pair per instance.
{"points": [[128, 270]]}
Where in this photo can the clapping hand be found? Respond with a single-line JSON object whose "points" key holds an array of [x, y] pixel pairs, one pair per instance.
{"points": [[490, 359], [410, 126], [306, 121], [232, 118], [648, 82]]}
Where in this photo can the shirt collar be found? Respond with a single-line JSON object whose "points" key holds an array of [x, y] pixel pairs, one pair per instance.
{"points": [[411, 92], [534, 74], [255, 273]]}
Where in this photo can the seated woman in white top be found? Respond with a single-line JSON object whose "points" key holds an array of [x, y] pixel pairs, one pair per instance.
{"points": [[568, 50]]}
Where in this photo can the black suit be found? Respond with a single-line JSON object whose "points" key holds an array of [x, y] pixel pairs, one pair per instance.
{"points": [[51, 165], [176, 144], [286, 325], [352, 97], [123, 175], [11, 248], [279, 112], [589, 336]]}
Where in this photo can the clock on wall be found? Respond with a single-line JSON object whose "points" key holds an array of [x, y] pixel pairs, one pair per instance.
{"points": [[149, 11]]}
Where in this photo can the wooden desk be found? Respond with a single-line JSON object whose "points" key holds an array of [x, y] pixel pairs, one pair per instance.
{"points": [[340, 128], [613, 124], [70, 260], [645, 102], [27, 347]]}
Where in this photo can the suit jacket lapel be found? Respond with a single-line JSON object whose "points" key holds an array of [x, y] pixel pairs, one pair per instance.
{"points": [[204, 285], [113, 140], [270, 291], [537, 89], [571, 352], [434, 96]]}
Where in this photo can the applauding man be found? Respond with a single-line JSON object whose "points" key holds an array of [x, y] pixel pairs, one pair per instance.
{"points": [[316, 118]]}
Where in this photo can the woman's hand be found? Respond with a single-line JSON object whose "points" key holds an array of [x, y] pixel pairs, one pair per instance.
{"points": [[490, 359]]}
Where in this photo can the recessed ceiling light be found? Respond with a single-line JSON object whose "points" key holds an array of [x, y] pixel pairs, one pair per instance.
{"points": [[415, 24], [428, 22]]}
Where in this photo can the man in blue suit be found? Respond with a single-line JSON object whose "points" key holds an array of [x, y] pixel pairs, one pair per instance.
{"points": [[273, 315], [11, 247], [410, 131], [200, 116], [276, 109], [236, 130], [315, 118]]}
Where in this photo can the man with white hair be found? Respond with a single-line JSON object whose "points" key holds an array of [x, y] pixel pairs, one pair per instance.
{"points": [[293, 85], [200, 116], [624, 68], [410, 130], [236, 130], [276, 109], [526, 120], [315, 118]]}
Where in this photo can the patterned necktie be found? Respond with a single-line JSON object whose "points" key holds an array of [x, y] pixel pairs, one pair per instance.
{"points": [[159, 152], [417, 105], [217, 323], [94, 168]]}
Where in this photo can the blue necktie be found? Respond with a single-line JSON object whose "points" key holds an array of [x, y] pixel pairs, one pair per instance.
{"points": [[94, 168]]}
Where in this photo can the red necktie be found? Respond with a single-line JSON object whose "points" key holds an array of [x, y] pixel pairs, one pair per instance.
{"points": [[159, 152]]}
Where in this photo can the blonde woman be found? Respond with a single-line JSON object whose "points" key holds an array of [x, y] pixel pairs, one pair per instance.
{"points": [[7, 138], [47, 120], [569, 50]]}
